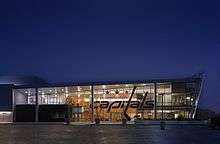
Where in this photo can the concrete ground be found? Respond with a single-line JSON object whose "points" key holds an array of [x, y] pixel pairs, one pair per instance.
{"points": [[91, 134]]}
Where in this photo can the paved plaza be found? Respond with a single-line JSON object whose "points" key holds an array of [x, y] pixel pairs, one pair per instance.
{"points": [[91, 134]]}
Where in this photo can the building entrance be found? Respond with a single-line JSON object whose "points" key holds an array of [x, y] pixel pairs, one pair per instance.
{"points": [[115, 116], [5, 117]]}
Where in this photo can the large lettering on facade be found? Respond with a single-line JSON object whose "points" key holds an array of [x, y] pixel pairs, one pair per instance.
{"points": [[140, 105]]}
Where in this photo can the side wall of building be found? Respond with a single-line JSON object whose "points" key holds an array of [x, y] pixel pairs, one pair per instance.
{"points": [[6, 103]]}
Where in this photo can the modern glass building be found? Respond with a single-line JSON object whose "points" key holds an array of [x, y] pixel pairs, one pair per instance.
{"points": [[107, 101]]}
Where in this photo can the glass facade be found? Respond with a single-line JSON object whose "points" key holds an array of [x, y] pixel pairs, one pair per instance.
{"points": [[108, 102], [25, 96], [79, 98], [52, 95], [5, 116], [111, 100]]}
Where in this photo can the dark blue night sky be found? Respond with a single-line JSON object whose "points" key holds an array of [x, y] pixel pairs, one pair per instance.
{"points": [[70, 40]]}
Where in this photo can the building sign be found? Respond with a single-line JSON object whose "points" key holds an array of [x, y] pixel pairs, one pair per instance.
{"points": [[140, 105]]}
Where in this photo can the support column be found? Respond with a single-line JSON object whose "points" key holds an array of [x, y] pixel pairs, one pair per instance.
{"points": [[13, 107], [92, 102], [36, 105], [155, 101], [162, 107]]}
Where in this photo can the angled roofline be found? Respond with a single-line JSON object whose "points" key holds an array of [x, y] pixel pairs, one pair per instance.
{"points": [[64, 84]]}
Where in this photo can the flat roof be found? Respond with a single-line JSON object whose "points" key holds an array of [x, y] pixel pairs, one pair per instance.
{"points": [[64, 84]]}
